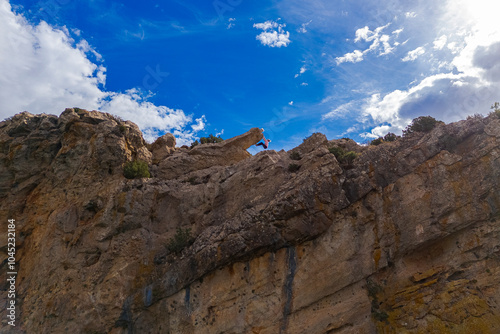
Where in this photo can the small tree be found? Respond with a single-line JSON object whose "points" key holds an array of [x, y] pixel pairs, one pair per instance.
{"points": [[376, 142], [342, 156], [136, 169], [211, 139], [390, 137], [421, 124], [496, 109], [181, 239]]}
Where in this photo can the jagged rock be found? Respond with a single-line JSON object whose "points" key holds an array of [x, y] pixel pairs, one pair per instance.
{"points": [[203, 156], [163, 147], [405, 240]]}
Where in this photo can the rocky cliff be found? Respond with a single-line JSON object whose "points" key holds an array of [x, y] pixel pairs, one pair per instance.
{"points": [[405, 239]]}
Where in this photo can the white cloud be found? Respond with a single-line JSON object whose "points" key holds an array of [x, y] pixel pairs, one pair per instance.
{"points": [[303, 27], [266, 25], [304, 84], [302, 70], [397, 32], [440, 42], [231, 24], [381, 44], [44, 70], [290, 103], [410, 14], [200, 124], [339, 112], [273, 35], [353, 57], [414, 54]]}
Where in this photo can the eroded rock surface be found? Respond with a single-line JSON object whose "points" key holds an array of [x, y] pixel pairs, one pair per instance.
{"points": [[404, 240]]}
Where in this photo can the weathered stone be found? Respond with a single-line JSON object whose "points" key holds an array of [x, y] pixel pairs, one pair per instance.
{"points": [[404, 240], [163, 147], [203, 156]]}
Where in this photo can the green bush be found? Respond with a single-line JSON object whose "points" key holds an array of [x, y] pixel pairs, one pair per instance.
{"points": [[337, 151], [181, 240], [496, 109], [195, 143], [387, 138], [292, 168], [295, 156], [136, 169], [421, 124], [211, 139], [342, 156], [349, 157], [390, 137]]}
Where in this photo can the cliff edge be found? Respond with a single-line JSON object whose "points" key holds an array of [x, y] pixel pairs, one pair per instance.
{"points": [[403, 239]]}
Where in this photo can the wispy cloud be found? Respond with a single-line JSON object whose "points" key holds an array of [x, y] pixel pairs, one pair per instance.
{"points": [[273, 35], [231, 23], [414, 54], [303, 27], [380, 44]]}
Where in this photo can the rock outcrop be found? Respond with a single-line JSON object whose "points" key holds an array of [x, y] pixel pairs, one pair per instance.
{"points": [[406, 239], [163, 147]]}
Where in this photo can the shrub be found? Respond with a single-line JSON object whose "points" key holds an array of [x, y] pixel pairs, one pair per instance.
{"points": [[390, 137], [181, 240], [342, 156], [475, 116], [292, 168], [211, 139], [136, 169], [421, 124], [496, 109], [387, 138], [122, 128], [337, 151], [349, 157], [295, 156], [195, 143]]}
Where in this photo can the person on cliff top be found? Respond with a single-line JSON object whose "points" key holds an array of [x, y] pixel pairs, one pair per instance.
{"points": [[265, 142]]}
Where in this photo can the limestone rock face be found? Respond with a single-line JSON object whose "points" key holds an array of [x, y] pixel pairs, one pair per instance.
{"points": [[403, 240], [163, 147], [203, 156]]}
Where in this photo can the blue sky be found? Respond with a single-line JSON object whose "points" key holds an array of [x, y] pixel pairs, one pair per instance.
{"points": [[354, 68]]}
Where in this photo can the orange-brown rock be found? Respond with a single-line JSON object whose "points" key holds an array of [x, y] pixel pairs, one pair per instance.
{"points": [[403, 240]]}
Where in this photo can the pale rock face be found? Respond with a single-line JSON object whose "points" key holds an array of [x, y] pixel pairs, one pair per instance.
{"points": [[163, 147], [403, 240]]}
